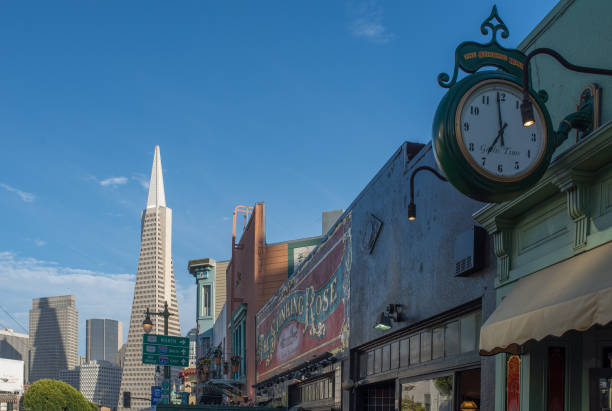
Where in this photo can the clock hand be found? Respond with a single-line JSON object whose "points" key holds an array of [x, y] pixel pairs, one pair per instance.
{"points": [[499, 134], [500, 119]]}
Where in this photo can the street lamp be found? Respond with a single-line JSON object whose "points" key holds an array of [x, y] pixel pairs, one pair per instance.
{"points": [[412, 206], [147, 326]]}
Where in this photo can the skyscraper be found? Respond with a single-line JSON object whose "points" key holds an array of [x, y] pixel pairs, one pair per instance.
{"points": [[154, 285], [104, 339], [54, 336]]}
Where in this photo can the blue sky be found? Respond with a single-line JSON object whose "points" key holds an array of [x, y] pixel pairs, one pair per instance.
{"points": [[297, 104]]}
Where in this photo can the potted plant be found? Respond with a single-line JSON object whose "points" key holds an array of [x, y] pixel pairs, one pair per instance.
{"points": [[217, 355], [235, 360], [204, 363]]}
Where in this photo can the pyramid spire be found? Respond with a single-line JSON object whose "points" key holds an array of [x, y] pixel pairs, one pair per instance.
{"points": [[157, 197]]}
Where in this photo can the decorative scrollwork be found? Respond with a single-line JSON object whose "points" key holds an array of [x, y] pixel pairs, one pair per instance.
{"points": [[470, 56], [499, 25]]}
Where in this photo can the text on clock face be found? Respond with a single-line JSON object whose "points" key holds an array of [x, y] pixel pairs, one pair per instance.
{"points": [[493, 135]]}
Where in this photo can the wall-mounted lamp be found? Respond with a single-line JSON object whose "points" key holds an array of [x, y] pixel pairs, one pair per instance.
{"points": [[383, 322], [526, 107], [412, 206]]}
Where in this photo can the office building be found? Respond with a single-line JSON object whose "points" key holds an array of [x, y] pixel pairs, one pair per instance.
{"points": [[54, 336], [98, 381], [154, 286], [104, 339]]}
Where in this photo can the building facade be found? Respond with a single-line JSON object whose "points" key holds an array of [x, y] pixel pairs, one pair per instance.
{"points": [[154, 286], [54, 336], [98, 380], [16, 346], [256, 271], [210, 298], [104, 338], [550, 334], [384, 313]]}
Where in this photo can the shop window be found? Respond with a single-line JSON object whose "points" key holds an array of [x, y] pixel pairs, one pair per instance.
{"points": [[363, 364], [468, 387], [378, 397], [438, 343], [378, 360], [556, 373], [446, 340], [370, 362], [435, 394], [395, 355], [316, 390], [386, 357], [404, 352], [451, 339], [607, 357], [414, 349], [468, 333], [426, 345]]}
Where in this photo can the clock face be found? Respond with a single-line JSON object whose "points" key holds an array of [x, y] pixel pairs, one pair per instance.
{"points": [[491, 135]]}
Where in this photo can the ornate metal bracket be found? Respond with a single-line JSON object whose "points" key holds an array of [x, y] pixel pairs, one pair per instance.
{"points": [[471, 56]]}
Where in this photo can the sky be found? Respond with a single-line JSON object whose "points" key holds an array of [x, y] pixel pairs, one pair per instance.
{"points": [[295, 104]]}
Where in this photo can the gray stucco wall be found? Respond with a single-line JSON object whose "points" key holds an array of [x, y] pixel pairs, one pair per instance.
{"points": [[413, 261]]}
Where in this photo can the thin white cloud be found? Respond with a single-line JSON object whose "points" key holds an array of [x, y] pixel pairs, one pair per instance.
{"points": [[113, 181], [142, 180], [366, 21], [40, 243], [98, 295], [27, 197]]}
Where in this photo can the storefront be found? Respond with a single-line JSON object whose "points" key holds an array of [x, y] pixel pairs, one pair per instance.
{"points": [[302, 332], [551, 332], [419, 293]]}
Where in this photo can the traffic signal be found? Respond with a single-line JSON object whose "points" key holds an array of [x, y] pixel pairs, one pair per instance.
{"points": [[127, 399]]}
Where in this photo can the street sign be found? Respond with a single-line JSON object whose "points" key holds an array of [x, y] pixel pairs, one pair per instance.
{"points": [[156, 393], [165, 350]]}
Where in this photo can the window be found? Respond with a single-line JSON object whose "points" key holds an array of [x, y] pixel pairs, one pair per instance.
{"points": [[434, 394], [206, 310], [445, 340]]}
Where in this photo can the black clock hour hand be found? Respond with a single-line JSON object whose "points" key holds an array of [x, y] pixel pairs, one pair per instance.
{"points": [[500, 119], [499, 134]]}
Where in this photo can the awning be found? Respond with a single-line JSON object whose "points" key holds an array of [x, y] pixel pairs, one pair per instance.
{"points": [[574, 294]]}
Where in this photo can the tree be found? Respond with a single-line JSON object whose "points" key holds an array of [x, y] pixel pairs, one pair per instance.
{"points": [[54, 395]]}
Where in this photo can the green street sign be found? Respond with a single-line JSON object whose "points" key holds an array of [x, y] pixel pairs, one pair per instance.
{"points": [[165, 340], [157, 359], [165, 350]]}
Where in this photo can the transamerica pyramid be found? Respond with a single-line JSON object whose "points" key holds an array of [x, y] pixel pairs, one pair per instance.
{"points": [[154, 286]]}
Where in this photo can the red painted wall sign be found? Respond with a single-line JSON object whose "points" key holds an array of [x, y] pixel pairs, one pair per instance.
{"points": [[513, 381], [306, 316]]}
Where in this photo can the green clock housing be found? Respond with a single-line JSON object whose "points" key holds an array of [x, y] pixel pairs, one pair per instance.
{"points": [[480, 143]]}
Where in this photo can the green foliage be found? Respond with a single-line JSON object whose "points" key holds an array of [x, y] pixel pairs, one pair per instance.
{"points": [[408, 404], [54, 395]]}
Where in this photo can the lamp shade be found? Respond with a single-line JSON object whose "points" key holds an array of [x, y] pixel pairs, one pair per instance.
{"points": [[383, 322], [468, 405], [147, 325]]}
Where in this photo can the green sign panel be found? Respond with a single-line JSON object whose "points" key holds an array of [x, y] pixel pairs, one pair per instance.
{"points": [[165, 350]]}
